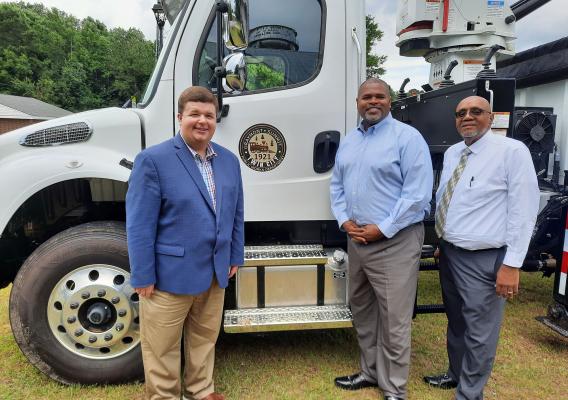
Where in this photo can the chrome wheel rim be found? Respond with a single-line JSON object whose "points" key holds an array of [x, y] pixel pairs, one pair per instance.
{"points": [[93, 312]]}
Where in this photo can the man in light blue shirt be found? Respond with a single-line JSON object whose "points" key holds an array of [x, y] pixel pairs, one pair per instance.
{"points": [[380, 193]]}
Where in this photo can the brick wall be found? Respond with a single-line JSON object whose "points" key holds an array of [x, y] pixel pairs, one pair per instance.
{"points": [[8, 124]]}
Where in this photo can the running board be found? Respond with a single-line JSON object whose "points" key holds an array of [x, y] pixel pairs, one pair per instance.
{"points": [[287, 318], [286, 255]]}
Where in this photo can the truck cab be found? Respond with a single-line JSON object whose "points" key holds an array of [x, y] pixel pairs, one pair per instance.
{"points": [[63, 244]]}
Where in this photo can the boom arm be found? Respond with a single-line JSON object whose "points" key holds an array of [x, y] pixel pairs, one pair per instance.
{"points": [[522, 8]]}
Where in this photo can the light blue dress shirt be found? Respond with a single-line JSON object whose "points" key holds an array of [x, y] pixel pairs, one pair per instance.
{"points": [[382, 176]]}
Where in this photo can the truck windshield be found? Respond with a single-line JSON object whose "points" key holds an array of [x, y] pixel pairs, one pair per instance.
{"points": [[175, 10]]}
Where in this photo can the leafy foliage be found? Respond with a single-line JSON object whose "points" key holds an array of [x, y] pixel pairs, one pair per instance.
{"points": [[75, 64], [374, 62], [262, 75]]}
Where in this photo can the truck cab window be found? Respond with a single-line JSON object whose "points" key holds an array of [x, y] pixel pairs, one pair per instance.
{"points": [[285, 46]]}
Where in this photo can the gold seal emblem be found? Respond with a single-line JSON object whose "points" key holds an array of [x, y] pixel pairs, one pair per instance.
{"points": [[262, 147]]}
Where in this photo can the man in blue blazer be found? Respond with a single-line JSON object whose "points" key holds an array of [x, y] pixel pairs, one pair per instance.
{"points": [[185, 229]]}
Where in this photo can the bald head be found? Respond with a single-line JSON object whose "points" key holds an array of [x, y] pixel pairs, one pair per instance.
{"points": [[375, 81], [473, 118], [479, 101], [373, 101]]}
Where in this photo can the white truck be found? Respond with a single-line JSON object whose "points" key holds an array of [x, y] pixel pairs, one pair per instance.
{"points": [[287, 74]]}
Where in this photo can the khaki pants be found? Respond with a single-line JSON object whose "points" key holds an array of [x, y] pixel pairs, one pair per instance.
{"points": [[382, 287], [163, 318]]}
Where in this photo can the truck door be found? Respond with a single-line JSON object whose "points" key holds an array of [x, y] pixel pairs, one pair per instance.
{"points": [[286, 125]]}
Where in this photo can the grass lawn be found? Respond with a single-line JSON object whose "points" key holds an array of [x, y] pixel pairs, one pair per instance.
{"points": [[531, 360]]}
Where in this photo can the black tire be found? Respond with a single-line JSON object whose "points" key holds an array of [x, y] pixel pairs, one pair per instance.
{"points": [[55, 352]]}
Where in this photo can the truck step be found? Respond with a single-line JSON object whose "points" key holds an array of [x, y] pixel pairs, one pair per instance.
{"points": [[553, 325], [287, 318], [429, 308], [309, 254]]}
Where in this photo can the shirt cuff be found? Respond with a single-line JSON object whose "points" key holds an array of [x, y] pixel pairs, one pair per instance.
{"points": [[514, 259], [341, 221], [388, 228]]}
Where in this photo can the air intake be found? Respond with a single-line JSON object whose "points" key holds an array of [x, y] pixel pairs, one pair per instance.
{"points": [[63, 134]]}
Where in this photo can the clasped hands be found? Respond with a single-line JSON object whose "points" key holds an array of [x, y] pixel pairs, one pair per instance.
{"points": [[362, 234], [149, 290]]}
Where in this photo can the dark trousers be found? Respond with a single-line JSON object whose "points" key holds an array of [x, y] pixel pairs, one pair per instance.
{"points": [[474, 314], [382, 287]]}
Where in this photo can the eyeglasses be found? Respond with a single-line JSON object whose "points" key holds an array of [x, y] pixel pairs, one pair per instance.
{"points": [[474, 112]]}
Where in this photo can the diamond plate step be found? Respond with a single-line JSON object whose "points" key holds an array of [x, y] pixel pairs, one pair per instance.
{"points": [[287, 318], [311, 254]]}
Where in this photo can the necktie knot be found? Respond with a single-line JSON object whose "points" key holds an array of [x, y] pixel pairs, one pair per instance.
{"points": [[466, 152]]}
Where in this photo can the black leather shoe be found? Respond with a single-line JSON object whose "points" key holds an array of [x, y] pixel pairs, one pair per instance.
{"points": [[441, 381], [392, 398], [353, 382]]}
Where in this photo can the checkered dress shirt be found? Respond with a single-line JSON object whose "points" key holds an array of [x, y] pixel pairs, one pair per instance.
{"points": [[206, 170]]}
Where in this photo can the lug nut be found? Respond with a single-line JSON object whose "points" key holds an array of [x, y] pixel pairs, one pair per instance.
{"points": [[85, 295], [115, 300], [71, 319], [92, 339], [121, 313], [108, 336], [119, 327], [101, 293], [78, 332], [74, 305]]}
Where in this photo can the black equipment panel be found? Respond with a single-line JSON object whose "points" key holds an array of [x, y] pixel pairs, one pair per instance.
{"points": [[432, 113]]}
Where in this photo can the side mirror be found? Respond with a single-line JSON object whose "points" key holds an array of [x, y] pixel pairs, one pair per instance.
{"points": [[236, 73], [236, 23]]}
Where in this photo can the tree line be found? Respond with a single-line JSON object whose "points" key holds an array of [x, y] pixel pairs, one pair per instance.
{"points": [[81, 64], [74, 64]]}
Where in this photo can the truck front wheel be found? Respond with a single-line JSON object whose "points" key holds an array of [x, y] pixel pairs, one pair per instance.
{"points": [[73, 312]]}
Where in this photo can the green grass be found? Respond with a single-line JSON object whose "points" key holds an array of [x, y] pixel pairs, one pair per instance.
{"points": [[531, 359]]}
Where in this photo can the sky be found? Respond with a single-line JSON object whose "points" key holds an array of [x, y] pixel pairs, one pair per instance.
{"points": [[544, 25]]}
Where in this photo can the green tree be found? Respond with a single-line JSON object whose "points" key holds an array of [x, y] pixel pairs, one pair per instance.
{"points": [[375, 62], [75, 64], [261, 76]]}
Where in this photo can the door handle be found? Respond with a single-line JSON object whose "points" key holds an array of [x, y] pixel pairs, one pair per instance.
{"points": [[325, 148]]}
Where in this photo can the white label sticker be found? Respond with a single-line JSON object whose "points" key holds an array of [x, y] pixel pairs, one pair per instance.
{"points": [[495, 8], [501, 120], [432, 9], [471, 68]]}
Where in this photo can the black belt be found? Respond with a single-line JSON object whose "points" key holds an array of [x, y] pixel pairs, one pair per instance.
{"points": [[453, 246]]}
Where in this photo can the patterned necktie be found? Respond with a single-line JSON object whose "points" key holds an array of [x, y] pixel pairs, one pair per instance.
{"points": [[448, 192]]}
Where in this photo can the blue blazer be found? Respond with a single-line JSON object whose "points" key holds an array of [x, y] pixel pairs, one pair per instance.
{"points": [[176, 240]]}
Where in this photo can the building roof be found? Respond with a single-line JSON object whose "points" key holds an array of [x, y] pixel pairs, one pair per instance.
{"points": [[537, 66], [17, 107]]}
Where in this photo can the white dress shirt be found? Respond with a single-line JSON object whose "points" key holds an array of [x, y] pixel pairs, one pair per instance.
{"points": [[495, 202]]}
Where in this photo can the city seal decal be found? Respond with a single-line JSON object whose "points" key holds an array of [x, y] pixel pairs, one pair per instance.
{"points": [[262, 147]]}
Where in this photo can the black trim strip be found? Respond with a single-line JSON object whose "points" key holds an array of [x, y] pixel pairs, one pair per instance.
{"points": [[261, 287], [161, 67], [321, 284]]}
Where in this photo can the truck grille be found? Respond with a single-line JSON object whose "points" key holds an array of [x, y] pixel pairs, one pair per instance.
{"points": [[63, 134]]}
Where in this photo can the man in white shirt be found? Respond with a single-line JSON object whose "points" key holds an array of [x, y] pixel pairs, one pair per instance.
{"points": [[486, 208]]}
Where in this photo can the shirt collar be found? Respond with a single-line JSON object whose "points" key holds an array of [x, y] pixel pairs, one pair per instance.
{"points": [[480, 144], [209, 152], [373, 128]]}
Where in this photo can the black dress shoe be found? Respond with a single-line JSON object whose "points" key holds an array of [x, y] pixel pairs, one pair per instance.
{"points": [[392, 398], [441, 381], [353, 382]]}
